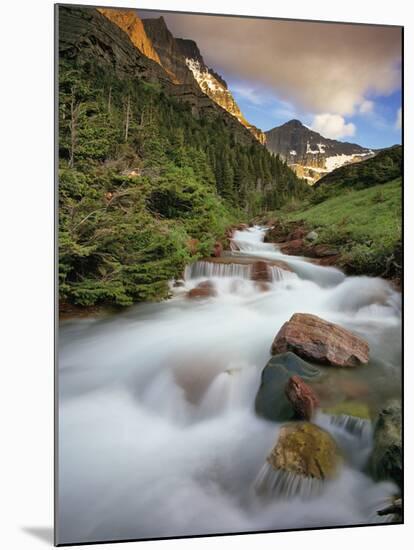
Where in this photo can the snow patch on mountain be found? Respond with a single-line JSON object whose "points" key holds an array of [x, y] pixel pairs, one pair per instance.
{"points": [[204, 78], [337, 161]]}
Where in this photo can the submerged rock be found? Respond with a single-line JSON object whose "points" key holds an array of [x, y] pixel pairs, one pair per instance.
{"points": [[318, 340], [302, 397], [261, 271], [306, 450], [386, 458], [271, 401], [205, 289], [295, 247], [350, 408]]}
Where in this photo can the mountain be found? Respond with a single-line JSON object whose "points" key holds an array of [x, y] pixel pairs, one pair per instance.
{"points": [[308, 153], [152, 172], [90, 35], [183, 58], [128, 21]]}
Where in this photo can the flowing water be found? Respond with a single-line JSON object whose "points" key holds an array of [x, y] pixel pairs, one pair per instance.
{"points": [[157, 431]]}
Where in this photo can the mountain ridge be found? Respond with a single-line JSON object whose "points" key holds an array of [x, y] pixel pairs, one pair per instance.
{"points": [[310, 154]]}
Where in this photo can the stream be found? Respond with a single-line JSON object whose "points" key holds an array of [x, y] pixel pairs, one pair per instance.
{"points": [[158, 436]]}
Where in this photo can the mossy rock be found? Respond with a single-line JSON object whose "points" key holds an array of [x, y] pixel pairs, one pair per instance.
{"points": [[306, 450], [386, 458], [271, 401], [350, 408]]}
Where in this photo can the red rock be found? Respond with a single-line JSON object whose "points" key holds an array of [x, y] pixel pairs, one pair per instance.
{"points": [[262, 286], [261, 271], [218, 250], [298, 233], [205, 289], [302, 397], [323, 251], [317, 340], [295, 247]]}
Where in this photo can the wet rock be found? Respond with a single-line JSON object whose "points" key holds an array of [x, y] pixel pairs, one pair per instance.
{"points": [[315, 339], [297, 234], [311, 236], [350, 408], [217, 250], [394, 509], [296, 247], [262, 286], [323, 251], [306, 450], [205, 289], [261, 272], [271, 401], [302, 397], [386, 458], [276, 233]]}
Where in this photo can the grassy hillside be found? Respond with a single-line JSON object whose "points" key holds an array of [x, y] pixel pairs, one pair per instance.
{"points": [[364, 224], [384, 167]]}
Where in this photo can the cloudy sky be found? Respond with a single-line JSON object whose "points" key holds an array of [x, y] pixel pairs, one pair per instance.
{"points": [[342, 80]]}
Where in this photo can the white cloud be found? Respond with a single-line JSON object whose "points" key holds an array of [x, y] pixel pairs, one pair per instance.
{"points": [[367, 106], [398, 119], [333, 126], [249, 94], [317, 67]]}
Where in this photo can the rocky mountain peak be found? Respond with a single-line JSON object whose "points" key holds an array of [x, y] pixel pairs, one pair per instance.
{"points": [[310, 154], [129, 22]]}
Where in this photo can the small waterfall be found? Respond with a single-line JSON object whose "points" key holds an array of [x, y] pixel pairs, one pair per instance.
{"points": [[208, 270], [229, 390], [217, 269], [359, 427], [279, 274], [282, 484]]}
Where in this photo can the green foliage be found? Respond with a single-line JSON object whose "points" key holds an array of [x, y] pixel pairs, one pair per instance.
{"points": [[145, 188], [384, 167]]}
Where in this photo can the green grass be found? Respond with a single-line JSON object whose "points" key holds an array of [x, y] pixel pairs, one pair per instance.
{"points": [[365, 225]]}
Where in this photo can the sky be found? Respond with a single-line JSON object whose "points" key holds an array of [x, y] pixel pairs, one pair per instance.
{"points": [[341, 80]]}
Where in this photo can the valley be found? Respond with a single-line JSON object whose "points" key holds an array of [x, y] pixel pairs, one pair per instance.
{"points": [[229, 347]]}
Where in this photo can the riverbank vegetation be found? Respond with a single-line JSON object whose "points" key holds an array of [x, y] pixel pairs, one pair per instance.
{"points": [[145, 187]]}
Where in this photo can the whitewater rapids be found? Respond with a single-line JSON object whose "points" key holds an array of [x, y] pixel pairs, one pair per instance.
{"points": [[157, 431]]}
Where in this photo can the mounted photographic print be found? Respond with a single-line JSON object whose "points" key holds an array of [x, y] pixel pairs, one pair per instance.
{"points": [[229, 273]]}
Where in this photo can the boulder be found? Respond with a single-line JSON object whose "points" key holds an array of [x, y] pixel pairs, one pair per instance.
{"points": [[261, 271], [386, 458], [323, 251], [205, 289], [302, 397], [296, 234], [356, 409], [306, 450], [218, 249], [311, 236], [295, 247], [317, 340], [271, 401]]}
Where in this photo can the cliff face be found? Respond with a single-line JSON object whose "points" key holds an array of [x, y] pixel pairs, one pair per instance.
{"points": [[168, 49], [183, 59], [88, 36], [308, 153], [129, 22]]}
